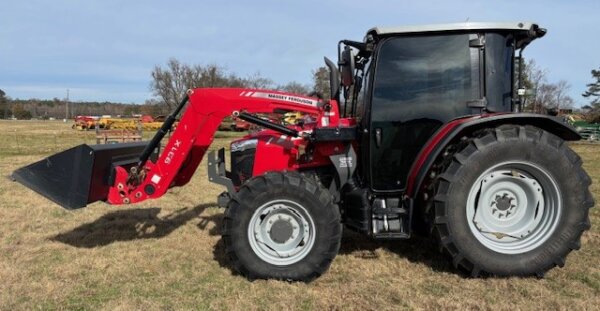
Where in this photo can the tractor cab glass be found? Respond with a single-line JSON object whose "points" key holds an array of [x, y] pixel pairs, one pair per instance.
{"points": [[423, 81]]}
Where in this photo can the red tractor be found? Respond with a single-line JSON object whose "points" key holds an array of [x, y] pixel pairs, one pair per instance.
{"points": [[422, 133]]}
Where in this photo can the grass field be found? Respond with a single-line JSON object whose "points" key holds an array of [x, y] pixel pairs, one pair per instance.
{"points": [[167, 254]]}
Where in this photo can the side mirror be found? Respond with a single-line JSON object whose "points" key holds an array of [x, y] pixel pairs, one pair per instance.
{"points": [[347, 67]]}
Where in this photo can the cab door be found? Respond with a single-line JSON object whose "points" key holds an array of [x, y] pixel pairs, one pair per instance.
{"points": [[419, 83]]}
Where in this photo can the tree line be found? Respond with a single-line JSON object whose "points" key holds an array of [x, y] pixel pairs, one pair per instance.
{"points": [[170, 82], [25, 109], [168, 86]]}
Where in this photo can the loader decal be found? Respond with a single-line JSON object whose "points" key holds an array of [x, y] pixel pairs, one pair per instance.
{"points": [[171, 152], [287, 98], [155, 179], [345, 162]]}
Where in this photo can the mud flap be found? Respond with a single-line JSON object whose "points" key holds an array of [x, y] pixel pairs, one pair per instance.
{"points": [[80, 175]]}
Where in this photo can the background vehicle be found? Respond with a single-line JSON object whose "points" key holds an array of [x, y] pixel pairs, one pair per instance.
{"points": [[239, 125], [423, 134], [83, 123]]}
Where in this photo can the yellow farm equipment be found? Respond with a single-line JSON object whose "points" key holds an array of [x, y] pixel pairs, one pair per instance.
{"points": [[145, 123], [120, 123]]}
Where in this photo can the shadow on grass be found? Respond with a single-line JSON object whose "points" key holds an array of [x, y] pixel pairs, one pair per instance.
{"points": [[128, 225], [418, 249], [144, 223]]}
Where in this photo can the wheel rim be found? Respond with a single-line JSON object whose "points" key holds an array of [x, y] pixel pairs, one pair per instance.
{"points": [[513, 207], [281, 232]]}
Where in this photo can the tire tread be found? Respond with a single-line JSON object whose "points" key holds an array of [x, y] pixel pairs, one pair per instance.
{"points": [[478, 142], [276, 181]]}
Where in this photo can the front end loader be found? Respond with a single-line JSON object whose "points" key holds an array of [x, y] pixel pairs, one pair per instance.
{"points": [[423, 133]]}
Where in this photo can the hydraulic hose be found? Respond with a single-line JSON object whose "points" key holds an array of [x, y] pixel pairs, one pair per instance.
{"points": [[160, 134], [266, 124]]}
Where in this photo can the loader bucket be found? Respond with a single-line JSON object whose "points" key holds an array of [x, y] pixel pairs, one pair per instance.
{"points": [[80, 175]]}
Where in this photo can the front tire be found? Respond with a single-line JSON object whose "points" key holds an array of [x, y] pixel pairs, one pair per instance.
{"points": [[511, 201], [282, 226]]}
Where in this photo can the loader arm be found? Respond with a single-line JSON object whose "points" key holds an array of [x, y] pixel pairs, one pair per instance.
{"points": [[195, 133]]}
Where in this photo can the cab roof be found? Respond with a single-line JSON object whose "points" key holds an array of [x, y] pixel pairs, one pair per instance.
{"points": [[525, 32]]}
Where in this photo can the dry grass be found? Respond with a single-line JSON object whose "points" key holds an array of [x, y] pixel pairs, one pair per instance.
{"points": [[167, 254]]}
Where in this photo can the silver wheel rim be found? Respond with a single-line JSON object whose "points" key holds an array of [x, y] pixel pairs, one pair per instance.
{"points": [[513, 207], [281, 232]]}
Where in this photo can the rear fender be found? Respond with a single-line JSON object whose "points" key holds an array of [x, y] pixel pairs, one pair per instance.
{"points": [[458, 128]]}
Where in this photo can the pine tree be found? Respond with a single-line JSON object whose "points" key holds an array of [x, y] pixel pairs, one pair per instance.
{"points": [[3, 105], [593, 91], [321, 82]]}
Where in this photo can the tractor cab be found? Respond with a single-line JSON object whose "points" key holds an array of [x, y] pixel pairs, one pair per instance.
{"points": [[404, 83]]}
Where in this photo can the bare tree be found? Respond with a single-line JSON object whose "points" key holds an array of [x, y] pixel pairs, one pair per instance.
{"points": [[208, 76], [546, 97], [535, 78], [256, 81], [541, 95], [553, 96], [563, 101], [170, 84], [295, 88]]}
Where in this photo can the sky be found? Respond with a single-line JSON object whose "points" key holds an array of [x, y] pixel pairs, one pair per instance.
{"points": [[104, 50]]}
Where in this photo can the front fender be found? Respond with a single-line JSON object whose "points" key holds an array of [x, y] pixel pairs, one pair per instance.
{"points": [[458, 128]]}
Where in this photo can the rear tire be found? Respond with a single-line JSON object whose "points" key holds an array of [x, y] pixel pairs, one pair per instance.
{"points": [[511, 201], [282, 226]]}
